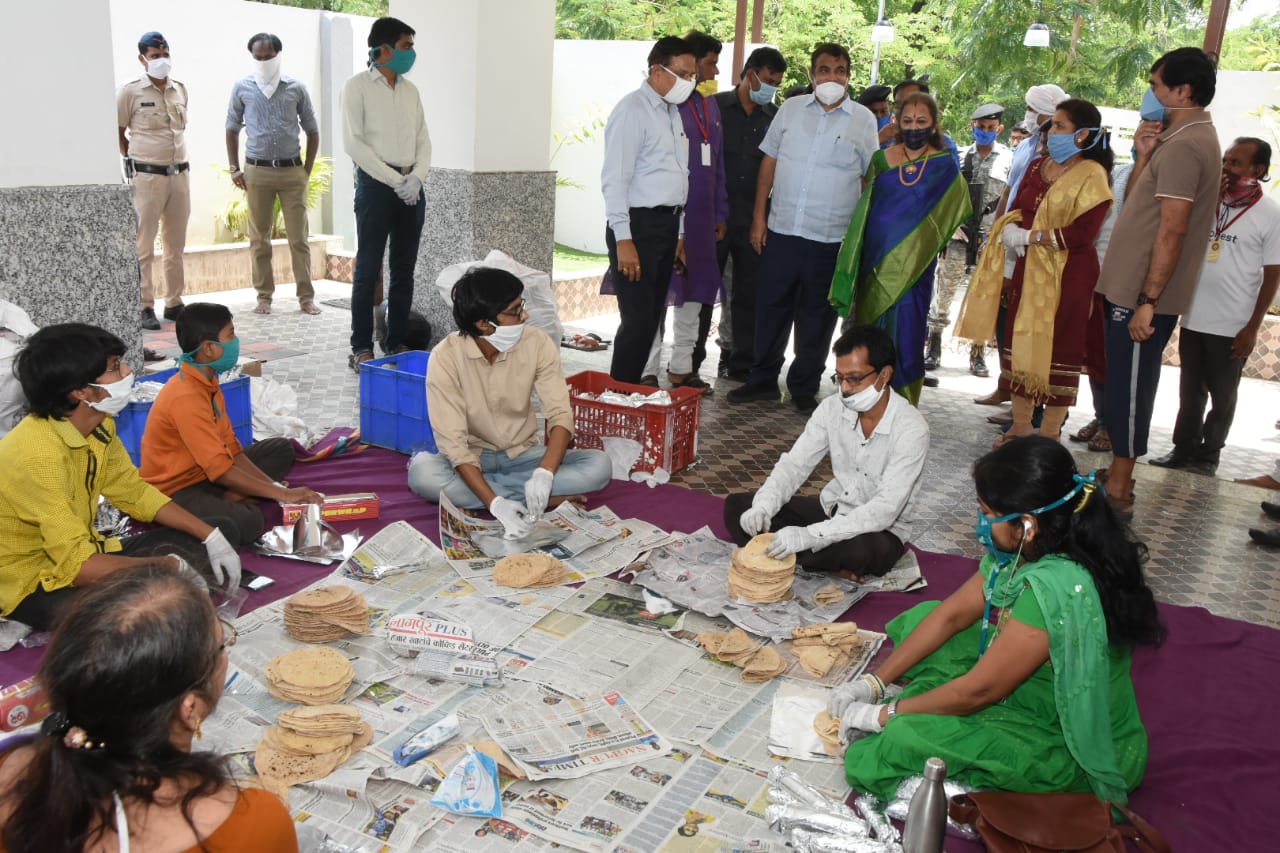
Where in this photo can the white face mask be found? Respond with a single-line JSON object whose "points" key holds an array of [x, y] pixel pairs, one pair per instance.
{"points": [[680, 92], [118, 396], [159, 67], [504, 338], [267, 71], [830, 92], [863, 401]]}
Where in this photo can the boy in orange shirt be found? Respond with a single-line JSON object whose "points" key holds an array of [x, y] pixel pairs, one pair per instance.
{"points": [[189, 450]]}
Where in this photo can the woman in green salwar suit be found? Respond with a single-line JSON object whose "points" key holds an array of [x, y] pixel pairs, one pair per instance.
{"points": [[1020, 679]]}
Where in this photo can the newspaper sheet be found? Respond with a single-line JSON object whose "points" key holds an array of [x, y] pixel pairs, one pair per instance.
{"points": [[456, 834], [551, 735], [903, 577], [391, 816], [396, 547], [616, 601]]}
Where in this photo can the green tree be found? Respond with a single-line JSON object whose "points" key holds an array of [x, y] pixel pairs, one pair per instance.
{"points": [[369, 8]]}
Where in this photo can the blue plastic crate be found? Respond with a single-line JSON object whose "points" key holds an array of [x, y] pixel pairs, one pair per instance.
{"points": [[131, 422], [393, 403]]}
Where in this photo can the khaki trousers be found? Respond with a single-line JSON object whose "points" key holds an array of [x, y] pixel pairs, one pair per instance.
{"points": [[162, 200], [264, 184]]}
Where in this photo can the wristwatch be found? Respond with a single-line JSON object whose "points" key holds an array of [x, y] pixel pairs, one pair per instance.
{"points": [[1143, 299]]}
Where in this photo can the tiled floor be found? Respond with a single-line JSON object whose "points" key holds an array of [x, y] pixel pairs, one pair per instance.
{"points": [[1194, 526]]}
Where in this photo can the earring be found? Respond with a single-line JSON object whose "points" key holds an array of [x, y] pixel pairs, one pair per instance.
{"points": [[199, 734]]}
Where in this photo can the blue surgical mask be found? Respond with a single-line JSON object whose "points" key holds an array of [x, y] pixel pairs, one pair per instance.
{"points": [[883, 121], [1151, 108], [401, 61], [1062, 146], [763, 95], [984, 137]]}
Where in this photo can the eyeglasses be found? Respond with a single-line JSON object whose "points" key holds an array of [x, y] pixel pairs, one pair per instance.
{"points": [[691, 76], [516, 312], [229, 635], [838, 380]]}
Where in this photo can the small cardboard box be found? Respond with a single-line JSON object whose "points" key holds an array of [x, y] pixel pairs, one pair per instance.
{"points": [[22, 704], [353, 507]]}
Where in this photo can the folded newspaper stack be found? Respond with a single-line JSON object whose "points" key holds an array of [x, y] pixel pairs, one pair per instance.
{"points": [[326, 613], [756, 577], [316, 676]]}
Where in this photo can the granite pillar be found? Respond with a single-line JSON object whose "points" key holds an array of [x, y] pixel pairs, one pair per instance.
{"points": [[67, 255]]}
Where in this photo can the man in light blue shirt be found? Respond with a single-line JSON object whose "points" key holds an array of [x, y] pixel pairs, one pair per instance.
{"points": [[816, 154], [645, 181]]}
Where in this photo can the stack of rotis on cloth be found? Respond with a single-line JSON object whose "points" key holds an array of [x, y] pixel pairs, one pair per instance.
{"points": [[757, 577], [531, 571], [759, 662], [316, 676], [326, 613], [309, 744], [821, 648]]}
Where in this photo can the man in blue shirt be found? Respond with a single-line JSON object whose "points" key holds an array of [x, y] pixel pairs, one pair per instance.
{"points": [[271, 107], [816, 153], [645, 182]]}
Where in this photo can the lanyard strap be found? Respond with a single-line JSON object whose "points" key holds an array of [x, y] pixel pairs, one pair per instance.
{"points": [[1222, 217], [986, 610], [704, 124]]}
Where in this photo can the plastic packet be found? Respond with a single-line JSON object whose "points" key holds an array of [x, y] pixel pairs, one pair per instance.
{"points": [[471, 788], [426, 741]]}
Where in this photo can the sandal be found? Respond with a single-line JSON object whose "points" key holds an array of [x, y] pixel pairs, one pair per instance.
{"points": [[309, 307], [1087, 432], [690, 380], [1101, 442], [358, 358], [263, 307]]}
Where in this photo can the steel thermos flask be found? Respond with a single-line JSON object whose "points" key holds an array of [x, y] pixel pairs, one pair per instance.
{"points": [[927, 814]]}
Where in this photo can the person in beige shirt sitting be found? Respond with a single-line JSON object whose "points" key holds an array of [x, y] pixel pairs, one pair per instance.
{"points": [[479, 383]]}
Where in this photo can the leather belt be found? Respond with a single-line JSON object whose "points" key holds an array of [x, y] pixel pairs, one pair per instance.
{"points": [[151, 169], [404, 170], [274, 164], [670, 209]]}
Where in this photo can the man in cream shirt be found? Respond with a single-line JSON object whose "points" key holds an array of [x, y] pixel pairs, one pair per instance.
{"points": [[385, 132]]}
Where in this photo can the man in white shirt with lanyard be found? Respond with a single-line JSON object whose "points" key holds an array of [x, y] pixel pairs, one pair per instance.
{"points": [[1238, 283]]}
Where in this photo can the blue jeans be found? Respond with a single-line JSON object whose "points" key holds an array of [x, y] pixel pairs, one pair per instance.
{"points": [[381, 217], [580, 472]]}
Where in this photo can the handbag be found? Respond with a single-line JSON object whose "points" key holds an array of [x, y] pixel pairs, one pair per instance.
{"points": [[1010, 822]]}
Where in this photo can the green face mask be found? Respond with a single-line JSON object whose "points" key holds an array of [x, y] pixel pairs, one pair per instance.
{"points": [[223, 363], [401, 61]]}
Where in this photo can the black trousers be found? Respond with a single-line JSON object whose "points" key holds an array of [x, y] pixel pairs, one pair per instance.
{"points": [[1208, 372], [865, 555], [642, 303], [275, 457]]}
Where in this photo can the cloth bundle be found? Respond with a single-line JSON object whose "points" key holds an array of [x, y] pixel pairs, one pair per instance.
{"points": [[531, 571], [309, 744], [316, 676], [325, 614], [759, 662], [820, 648], [758, 578]]}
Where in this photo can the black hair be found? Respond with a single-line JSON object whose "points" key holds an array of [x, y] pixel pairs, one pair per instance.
{"points": [[667, 47], [922, 84], [1035, 471], [881, 352], [1261, 153], [1189, 66], [481, 294], [151, 39], [200, 322], [702, 43], [830, 48], [271, 37], [936, 139], [765, 57], [60, 359], [124, 657], [1084, 114], [388, 31]]}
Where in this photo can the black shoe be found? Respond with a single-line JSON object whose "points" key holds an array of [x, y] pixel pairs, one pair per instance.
{"points": [[737, 375], [1206, 467], [149, 320], [933, 352], [171, 312], [754, 392], [977, 363], [1272, 510], [1265, 537], [148, 354], [1173, 459], [930, 381], [806, 403]]}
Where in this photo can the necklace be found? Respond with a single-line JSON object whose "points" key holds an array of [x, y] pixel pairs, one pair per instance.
{"points": [[909, 168]]}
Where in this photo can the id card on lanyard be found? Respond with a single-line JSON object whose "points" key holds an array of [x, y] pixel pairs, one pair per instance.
{"points": [[1215, 245], [704, 127]]}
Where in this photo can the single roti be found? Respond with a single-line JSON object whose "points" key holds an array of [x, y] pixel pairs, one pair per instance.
{"points": [[765, 664]]}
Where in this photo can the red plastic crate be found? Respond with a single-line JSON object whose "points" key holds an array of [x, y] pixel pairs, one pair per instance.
{"points": [[668, 434]]}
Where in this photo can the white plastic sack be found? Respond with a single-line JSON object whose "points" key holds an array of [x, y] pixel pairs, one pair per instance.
{"points": [[274, 411], [15, 327], [538, 298]]}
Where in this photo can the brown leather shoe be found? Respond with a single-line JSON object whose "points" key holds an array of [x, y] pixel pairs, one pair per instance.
{"points": [[995, 398]]}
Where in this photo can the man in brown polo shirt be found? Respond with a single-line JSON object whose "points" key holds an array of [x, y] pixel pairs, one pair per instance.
{"points": [[151, 115], [1157, 249]]}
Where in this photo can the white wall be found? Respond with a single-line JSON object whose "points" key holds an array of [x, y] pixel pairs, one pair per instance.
{"points": [[208, 41], [1235, 106], [59, 103]]}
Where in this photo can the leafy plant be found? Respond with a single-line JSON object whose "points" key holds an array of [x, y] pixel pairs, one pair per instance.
{"points": [[585, 129], [233, 219]]}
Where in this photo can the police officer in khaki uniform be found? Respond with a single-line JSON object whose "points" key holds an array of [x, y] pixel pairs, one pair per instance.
{"points": [[152, 118]]}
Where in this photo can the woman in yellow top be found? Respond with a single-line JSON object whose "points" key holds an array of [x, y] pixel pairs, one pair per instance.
{"points": [[1050, 228]]}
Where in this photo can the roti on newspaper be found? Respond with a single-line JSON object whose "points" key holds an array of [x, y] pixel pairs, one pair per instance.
{"points": [[291, 769], [287, 740], [828, 728], [312, 676], [756, 577], [712, 641], [752, 556], [818, 660], [764, 665], [829, 594], [533, 570], [321, 720], [326, 613]]}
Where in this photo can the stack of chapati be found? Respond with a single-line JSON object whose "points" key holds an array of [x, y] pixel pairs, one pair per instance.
{"points": [[309, 744], [326, 613], [534, 570], [821, 648], [316, 676], [758, 578], [759, 662]]}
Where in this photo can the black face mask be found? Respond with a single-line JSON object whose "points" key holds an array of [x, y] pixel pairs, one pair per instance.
{"points": [[917, 137]]}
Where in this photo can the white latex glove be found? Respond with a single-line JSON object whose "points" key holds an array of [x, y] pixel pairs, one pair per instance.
{"points": [[859, 717], [516, 523], [755, 521], [537, 491], [790, 540], [861, 689], [1016, 238], [410, 189], [223, 559], [185, 570]]}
